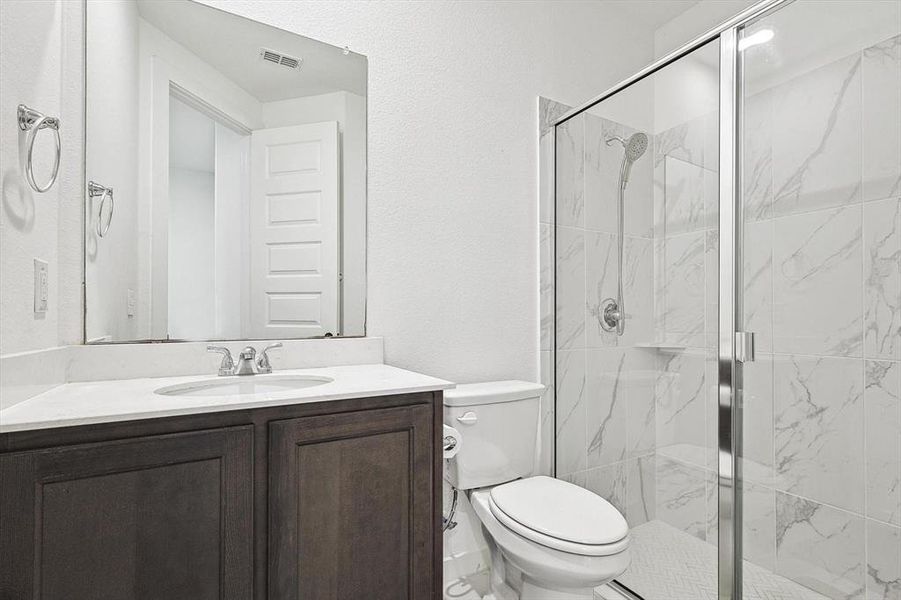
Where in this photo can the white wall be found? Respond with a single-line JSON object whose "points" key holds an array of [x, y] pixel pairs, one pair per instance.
{"points": [[452, 266], [39, 43]]}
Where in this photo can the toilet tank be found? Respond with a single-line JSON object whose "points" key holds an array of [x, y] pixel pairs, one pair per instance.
{"points": [[498, 424]]}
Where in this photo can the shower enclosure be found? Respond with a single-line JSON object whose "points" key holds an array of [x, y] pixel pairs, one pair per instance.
{"points": [[725, 356]]}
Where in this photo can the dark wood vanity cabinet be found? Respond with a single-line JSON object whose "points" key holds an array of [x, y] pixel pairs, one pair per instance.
{"points": [[333, 500]]}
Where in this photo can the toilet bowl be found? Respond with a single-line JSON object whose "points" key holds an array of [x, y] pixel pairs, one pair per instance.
{"points": [[549, 539], [551, 559]]}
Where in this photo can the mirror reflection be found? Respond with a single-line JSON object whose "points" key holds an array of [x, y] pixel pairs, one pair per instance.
{"points": [[227, 168]]}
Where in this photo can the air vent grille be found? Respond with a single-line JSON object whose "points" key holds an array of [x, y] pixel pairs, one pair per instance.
{"points": [[280, 59]]}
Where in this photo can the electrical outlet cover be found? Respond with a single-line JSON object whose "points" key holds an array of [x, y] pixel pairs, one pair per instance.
{"points": [[41, 285]]}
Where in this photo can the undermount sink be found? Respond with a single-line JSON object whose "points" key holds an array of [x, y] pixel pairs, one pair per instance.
{"points": [[243, 386]]}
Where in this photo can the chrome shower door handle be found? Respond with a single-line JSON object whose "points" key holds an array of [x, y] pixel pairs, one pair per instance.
{"points": [[30, 122]]}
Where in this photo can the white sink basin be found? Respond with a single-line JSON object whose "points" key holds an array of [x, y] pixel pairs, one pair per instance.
{"points": [[243, 386]]}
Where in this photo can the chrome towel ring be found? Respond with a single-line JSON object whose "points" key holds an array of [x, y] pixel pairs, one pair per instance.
{"points": [[30, 122], [106, 194]]}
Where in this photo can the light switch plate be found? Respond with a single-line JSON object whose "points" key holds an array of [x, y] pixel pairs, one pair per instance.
{"points": [[41, 285], [130, 303]]}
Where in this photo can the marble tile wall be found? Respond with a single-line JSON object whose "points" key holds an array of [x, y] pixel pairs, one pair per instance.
{"points": [[636, 415], [605, 422], [822, 405]]}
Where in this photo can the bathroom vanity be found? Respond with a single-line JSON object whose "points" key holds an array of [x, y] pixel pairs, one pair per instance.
{"points": [[324, 492]]}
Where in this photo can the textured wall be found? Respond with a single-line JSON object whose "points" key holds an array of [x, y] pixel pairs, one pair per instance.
{"points": [[453, 162], [40, 41]]}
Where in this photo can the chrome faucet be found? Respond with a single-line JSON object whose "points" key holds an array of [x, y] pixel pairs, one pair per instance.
{"points": [[247, 358], [244, 365]]}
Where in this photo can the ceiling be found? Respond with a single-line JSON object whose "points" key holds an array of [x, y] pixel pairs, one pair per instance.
{"points": [[231, 44], [653, 13]]}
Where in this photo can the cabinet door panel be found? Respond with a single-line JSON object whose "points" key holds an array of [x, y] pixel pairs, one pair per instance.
{"points": [[166, 516], [351, 506]]}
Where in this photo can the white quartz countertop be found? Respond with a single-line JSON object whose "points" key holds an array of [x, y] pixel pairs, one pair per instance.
{"points": [[132, 399]]}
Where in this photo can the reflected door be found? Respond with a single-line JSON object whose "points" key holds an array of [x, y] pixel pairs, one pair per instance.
{"points": [[294, 284]]}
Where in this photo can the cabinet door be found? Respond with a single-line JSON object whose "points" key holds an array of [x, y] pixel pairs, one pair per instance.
{"points": [[351, 506], [167, 516]]}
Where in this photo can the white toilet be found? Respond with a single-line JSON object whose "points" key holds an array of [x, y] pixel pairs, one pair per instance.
{"points": [[549, 539]]}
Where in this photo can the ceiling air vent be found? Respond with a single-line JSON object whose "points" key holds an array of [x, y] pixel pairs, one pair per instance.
{"points": [[280, 59]]}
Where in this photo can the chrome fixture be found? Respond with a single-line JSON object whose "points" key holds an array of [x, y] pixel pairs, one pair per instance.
{"points": [[227, 366], [612, 315], [263, 365], [30, 122], [105, 194], [247, 358], [244, 366]]}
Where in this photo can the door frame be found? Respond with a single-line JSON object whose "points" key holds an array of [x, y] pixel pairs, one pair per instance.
{"points": [[729, 382]]}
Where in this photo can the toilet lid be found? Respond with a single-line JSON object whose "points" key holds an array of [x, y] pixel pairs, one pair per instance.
{"points": [[560, 510]]}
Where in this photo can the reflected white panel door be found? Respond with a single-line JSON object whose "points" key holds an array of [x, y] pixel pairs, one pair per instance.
{"points": [[294, 231]]}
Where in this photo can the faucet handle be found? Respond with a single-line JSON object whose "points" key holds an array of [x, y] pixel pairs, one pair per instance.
{"points": [[263, 364], [227, 366]]}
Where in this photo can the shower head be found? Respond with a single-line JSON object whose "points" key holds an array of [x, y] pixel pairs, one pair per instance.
{"points": [[634, 147]]}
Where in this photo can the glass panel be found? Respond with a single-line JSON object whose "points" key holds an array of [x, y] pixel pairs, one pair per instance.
{"points": [[820, 156], [636, 412]]}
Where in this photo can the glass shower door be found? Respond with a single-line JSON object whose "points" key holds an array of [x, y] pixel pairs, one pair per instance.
{"points": [[636, 392], [819, 92]]}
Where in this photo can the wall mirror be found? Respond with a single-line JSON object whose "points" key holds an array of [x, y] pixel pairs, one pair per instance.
{"points": [[225, 166]]}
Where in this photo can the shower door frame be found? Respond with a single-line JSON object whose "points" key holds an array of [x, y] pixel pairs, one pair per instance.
{"points": [[729, 367]]}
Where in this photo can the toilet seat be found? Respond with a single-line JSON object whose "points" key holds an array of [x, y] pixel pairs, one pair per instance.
{"points": [[560, 515]]}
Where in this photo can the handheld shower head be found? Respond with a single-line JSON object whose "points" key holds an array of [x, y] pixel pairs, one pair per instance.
{"points": [[634, 148], [636, 145]]}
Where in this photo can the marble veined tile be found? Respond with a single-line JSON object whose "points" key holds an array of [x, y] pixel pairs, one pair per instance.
{"points": [[606, 403], [685, 141], [682, 496], [683, 289], [758, 282], [601, 282], [687, 194], [546, 266], [882, 120], [570, 412], [816, 269], [882, 399], [819, 425], [759, 525], [883, 561], [570, 172], [757, 420], [602, 170], [757, 156], [641, 490], [681, 396], [620, 408], [820, 547], [882, 278], [610, 483], [817, 139], [548, 112], [570, 293], [641, 411]]}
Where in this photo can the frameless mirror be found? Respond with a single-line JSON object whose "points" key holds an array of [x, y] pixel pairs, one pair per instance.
{"points": [[225, 167]]}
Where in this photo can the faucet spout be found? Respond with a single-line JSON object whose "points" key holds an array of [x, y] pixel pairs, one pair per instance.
{"points": [[244, 365]]}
